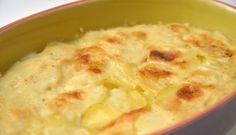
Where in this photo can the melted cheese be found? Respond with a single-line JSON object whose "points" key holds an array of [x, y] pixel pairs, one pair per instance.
{"points": [[121, 81]]}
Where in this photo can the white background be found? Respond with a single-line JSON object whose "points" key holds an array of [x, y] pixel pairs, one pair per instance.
{"points": [[11, 10]]}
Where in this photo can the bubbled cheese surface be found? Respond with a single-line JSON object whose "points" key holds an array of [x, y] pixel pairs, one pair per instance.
{"points": [[120, 81]]}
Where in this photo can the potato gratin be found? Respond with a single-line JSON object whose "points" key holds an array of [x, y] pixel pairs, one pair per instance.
{"points": [[121, 81]]}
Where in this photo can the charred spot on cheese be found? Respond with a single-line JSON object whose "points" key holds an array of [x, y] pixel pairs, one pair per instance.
{"points": [[129, 116], [78, 94], [208, 43], [95, 69], [86, 55], [93, 59], [182, 64], [140, 34], [114, 40], [154, 72], [228, 53], [163, 55], [202, 41], [63, 98], [189, 92], [117, 39], [84, 59], [178, 28]]}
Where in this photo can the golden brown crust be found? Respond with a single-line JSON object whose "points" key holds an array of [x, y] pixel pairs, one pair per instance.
{"points": [[209, 44], [93, 59], [182, 64], [62, 99], [178, 28], [189, 92], [153, 72], [140, 35], [228, 53], [129, 116], [163, 55], [114, 40]]}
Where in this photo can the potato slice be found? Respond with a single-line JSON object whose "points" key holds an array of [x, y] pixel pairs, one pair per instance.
{"points": [[121, 74], [136, 99], [99, 115]]}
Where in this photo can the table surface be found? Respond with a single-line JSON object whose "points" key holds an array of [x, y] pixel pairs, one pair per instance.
{"points": [[11, 10]]}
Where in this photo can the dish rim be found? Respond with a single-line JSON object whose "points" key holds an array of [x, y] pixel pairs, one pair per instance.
{"points": [[179, 124]]}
